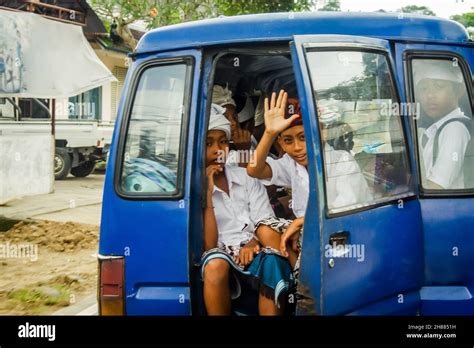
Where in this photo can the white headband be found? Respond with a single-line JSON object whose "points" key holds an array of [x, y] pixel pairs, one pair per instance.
{"points": [[438, 70], [218, 121]]}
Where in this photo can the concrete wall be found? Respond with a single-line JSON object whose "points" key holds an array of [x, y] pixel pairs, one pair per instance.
{"points": [[26, 165], [106, 103]]}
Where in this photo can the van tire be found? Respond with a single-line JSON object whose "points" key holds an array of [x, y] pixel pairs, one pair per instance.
{"points": [[84, 169], [62, 164]]}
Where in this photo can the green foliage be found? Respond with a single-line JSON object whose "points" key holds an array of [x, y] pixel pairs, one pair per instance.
{"points": [[37, 298], [238, 7], [417, 9], [466, 19], [157, 13], [332, 5], [129, 10]]}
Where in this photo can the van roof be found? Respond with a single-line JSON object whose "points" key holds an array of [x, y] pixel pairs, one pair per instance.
{"points": [[282, 26]]}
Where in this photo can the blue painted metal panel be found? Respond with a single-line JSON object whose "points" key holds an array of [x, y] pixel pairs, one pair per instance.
{"points": [[402, 304], [153, 235], [448, 233], [283, 26], [447, 300], [393, 260], [449, 240], [157, 300]]}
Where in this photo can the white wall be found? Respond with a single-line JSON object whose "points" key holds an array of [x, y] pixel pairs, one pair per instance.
{"points": [[106, 102], [26, 165]]}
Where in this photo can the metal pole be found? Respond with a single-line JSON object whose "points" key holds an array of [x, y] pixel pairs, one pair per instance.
{"points": [[53, 118]]}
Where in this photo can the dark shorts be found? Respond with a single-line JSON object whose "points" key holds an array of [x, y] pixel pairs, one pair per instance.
{"points": [[269, 273]]}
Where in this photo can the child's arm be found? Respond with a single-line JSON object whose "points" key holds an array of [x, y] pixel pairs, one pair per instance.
{"points": [[210, 224], [291, 233], [275, 123]]}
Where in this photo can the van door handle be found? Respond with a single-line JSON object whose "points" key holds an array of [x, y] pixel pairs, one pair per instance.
{"points": [[339, 238]]}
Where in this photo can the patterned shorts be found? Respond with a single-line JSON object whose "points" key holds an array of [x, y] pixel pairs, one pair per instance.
{"points": [[280, 225]]}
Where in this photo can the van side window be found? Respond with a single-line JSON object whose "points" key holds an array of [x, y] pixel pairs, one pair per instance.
{"points": [[365, 155], [444, 125], [152, 147]]}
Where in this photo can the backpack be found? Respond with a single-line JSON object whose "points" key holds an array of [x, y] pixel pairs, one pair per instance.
{"points": [[468, 165]]}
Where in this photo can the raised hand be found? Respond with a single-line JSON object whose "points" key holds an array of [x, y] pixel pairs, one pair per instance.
{"points": [[275, 121]]}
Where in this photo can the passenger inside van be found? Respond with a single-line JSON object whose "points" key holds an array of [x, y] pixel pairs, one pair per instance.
{"points": [[439, 87], [290, 170], [241, 137], [345, 182], [237, 208]]}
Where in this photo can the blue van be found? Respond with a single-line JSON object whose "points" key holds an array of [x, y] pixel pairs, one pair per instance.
{"points": [[408, 250]]}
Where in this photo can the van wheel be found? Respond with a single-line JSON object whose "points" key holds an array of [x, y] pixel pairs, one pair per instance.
{"points": [[84, 169], [62, 164]]}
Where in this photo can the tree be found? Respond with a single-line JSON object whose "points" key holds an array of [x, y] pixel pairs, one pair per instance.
{"points": [[466, 19], [117, 14], [158, 13], [238, 7], [332, 5], [417, 9]]}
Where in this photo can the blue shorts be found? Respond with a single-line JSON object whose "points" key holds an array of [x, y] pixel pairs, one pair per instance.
{"points": [[269, 272]]}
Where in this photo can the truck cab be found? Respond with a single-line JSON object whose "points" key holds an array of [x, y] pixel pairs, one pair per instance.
{"points": [[406, 250]]}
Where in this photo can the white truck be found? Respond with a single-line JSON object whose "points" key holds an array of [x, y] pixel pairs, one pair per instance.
{"points": [[79, 144]]}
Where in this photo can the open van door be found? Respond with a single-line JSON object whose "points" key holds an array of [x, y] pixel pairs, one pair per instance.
{"points": [[447, 210], [362, 250], [144, 241]]}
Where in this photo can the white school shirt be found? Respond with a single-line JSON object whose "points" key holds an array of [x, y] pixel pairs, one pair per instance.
{"points": [[345, 183], [452, 144], [238, 213], [287, 172]]}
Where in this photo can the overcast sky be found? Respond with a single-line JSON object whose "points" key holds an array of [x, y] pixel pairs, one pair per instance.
{"points": [[442, 8]]}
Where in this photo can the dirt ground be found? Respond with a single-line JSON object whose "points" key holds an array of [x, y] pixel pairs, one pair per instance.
{"points": [[46, 266]]}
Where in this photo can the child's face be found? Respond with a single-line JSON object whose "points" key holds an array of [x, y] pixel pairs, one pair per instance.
{"points": [[217, 147], [437, 97], [293, 143]]}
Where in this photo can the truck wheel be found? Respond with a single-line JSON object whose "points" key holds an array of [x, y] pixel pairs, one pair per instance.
{"points": [[84, 169], [62, 164]]}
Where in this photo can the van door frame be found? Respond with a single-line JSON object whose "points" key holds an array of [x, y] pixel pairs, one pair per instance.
{"points": [[311, 286], [445, 229], [152, 290]]}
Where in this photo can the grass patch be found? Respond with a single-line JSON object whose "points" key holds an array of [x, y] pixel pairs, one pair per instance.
{"points": [[35, 297]]}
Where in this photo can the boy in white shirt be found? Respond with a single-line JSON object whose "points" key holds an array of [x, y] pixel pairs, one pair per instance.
{"points": [[236, 204], [439, 86], [290, 171]]}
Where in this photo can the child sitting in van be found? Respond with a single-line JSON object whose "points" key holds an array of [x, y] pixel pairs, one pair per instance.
{"points": [[289, 171], [439, 87], [236, 204]]}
